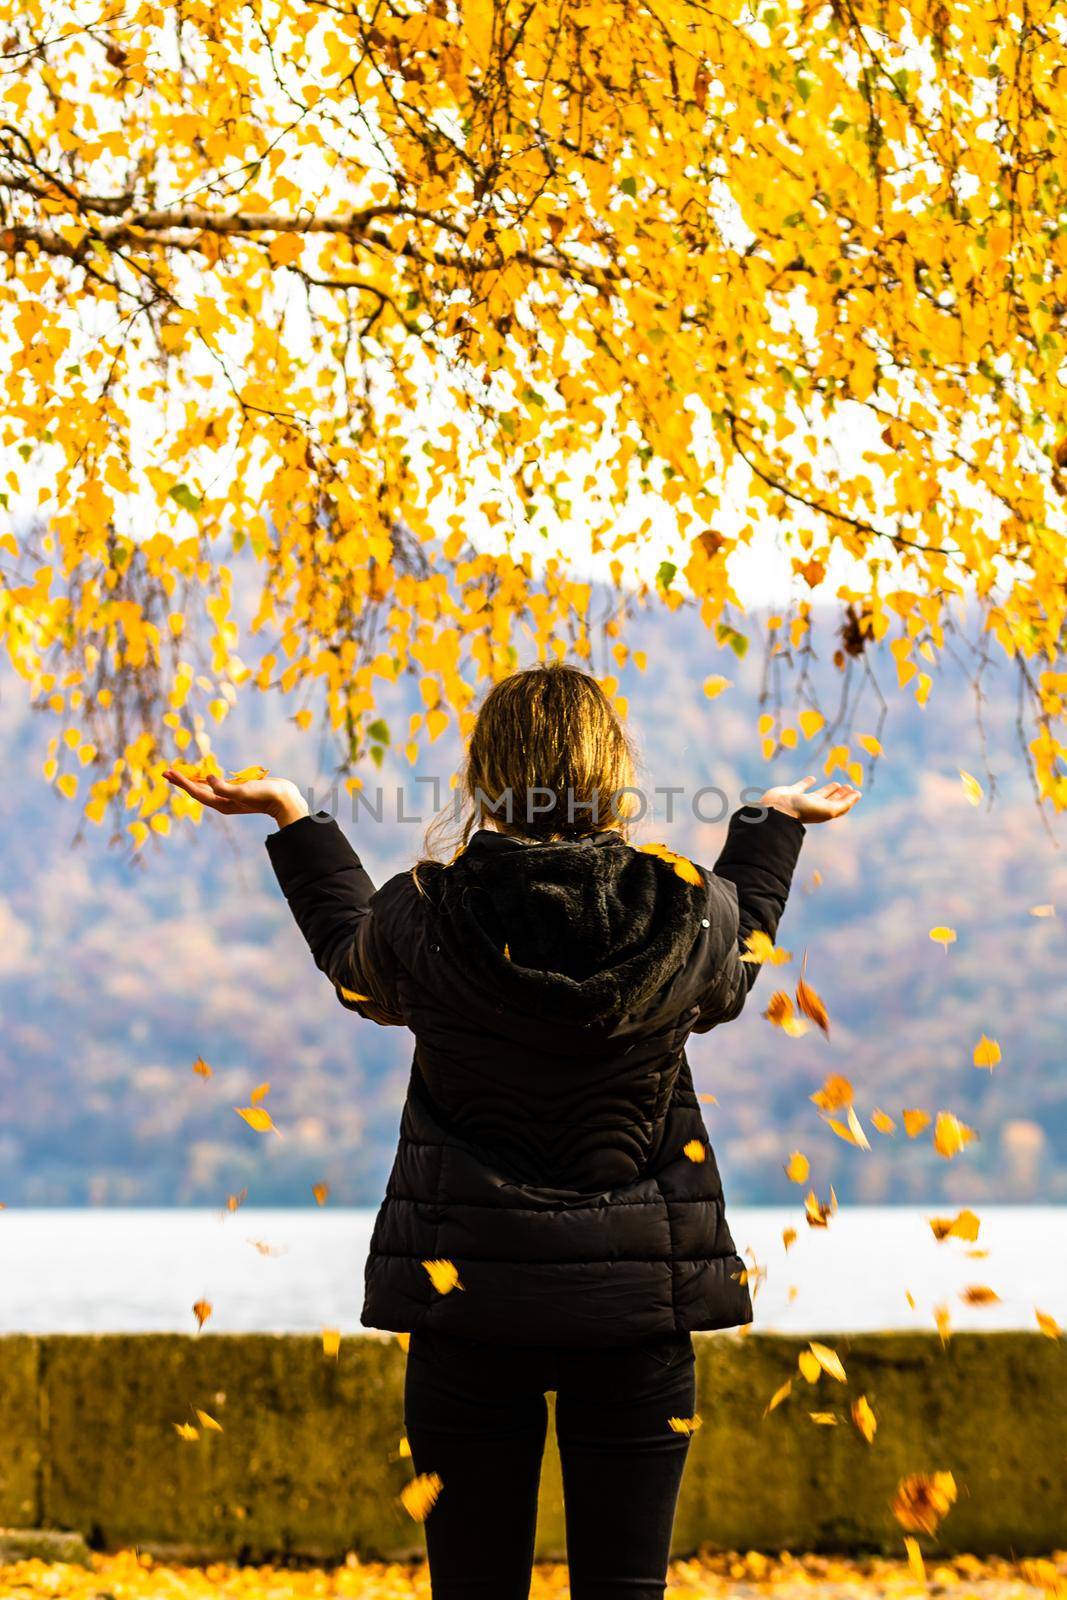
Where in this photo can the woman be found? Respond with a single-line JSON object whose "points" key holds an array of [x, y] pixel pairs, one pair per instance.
{"points": [[554, 1217]]}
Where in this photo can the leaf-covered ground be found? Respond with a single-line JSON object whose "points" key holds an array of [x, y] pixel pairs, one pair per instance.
{"points": [[132, 1577]]}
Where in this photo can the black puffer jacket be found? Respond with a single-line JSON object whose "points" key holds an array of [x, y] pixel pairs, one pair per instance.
{"points": [[551, 1145]]}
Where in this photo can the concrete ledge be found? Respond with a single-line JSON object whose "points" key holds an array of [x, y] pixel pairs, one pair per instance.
{"points": [[308, 1463]]}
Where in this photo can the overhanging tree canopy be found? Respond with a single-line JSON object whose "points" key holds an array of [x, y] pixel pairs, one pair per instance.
{"points": [[440, 310]]}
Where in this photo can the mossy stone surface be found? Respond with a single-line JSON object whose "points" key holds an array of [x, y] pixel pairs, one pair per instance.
{"points": [[308, 1462]]}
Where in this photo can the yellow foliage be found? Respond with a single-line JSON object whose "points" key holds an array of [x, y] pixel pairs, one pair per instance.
{"points": [[424, 377]]}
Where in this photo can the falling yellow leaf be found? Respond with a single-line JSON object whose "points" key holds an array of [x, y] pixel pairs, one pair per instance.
{"points": [[259, 1093], [915, 1122], [852, 1132], [686, 1425], [789, 1238], [207, 1422], [708, 1099], [1048, 1325], [331, 1342], [916, 1564], [986, 1053], [321, 1191], [882, 1122], [798, 1167], [835, 1093], [1043, 911], [233, 1201], [950, 1135], [910, 1298], [828, 1359], [864, 1418], [810, 1003], [778, 1396], [971, 788], [943, 936], [979, 1294], [443, 1275], [695, 1150], [818, 1212], [923, 1499], [404, 1452], [201, 1311], [201, 1068], [759, 949], [403, 1340], [809, 1365], [779, 1008], [249, 775], [943, 1320], [825, 1419], [350, 994], [964, 1225], [258, 1118], [420, 1495], [185, 1430], [715, 685]]}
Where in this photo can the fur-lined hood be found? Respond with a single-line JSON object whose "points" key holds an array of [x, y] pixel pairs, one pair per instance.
{"points": [[586, 931]]}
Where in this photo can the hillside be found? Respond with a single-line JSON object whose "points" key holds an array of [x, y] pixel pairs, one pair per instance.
{"points": [[115, 975]]}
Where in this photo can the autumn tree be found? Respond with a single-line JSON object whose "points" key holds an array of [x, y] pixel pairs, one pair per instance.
{"points": [[471, 323]]}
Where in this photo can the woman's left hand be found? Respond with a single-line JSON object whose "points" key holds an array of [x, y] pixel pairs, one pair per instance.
{"points": [[268, 797]]}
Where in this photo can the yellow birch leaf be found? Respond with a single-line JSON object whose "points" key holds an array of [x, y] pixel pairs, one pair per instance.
{"points": [[202, 1309], [951, 1135], [882, 1122], [835, 1093], [258, 1118], [914, 1122], [420, 1495], [208, 1422], [809, 1366], [331, 1342], [943, 936], [828, 1359], [972, 789], [986, 1053], [443, 1275], [864, 1418], [695, 1151], [715, 685], [778, 1396], [1048, 1325], [798, 1167]]}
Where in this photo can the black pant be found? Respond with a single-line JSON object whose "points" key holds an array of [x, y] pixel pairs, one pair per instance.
{"points": [[476, 1415]]}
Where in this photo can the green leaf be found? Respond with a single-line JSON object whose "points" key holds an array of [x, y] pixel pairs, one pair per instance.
{"points": [[737, 642], [629, 186], [666, 573], [379, 731], [183, 496]]}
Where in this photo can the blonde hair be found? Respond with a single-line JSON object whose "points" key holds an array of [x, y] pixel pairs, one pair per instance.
{"points": [[548, 759]]}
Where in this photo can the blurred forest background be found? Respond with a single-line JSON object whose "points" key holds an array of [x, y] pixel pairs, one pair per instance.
{"points": [[117, 973]]}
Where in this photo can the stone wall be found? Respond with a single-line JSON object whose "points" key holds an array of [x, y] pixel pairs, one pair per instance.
{"points": [[308, 1461]]}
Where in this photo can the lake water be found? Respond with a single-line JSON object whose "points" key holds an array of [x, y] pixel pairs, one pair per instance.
{"points": [[301, 1270]]}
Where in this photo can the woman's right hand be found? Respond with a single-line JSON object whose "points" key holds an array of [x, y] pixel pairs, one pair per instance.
{"points": [[268, 797], [807, 805]]}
